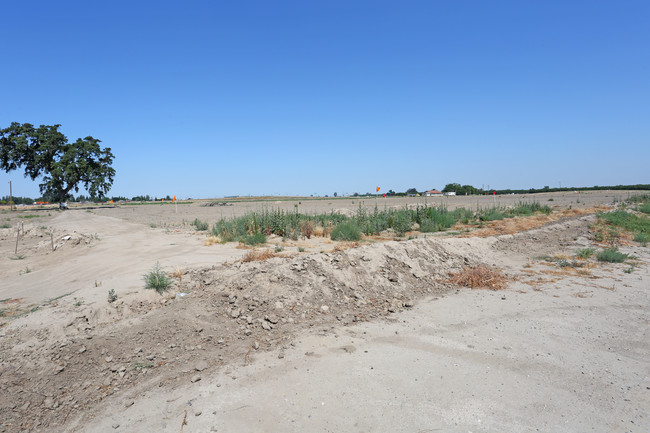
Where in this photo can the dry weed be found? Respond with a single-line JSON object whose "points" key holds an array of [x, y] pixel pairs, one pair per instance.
{"points": [[346, 246], [178, 272], [480, 277], [212, 240], [258, 256], [514, 225]]}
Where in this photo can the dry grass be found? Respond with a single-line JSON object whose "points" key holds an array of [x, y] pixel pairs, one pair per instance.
{"points": [[212, 240], [510, 226], [258, 256], [178, 272], [480, 277], [346, 246]]}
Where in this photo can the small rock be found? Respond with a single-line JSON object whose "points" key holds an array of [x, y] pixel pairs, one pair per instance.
{"points": [[108, 359], [129, 403], [83, 349], [273, 318], [195, 378], [59, 369], [198, 413], [266, 326], [201, 365], [325, 309], [256, 345], [235, 313], [116, 426], [279, 305]]}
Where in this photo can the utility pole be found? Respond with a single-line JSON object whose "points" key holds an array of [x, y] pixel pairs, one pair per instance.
{"points": [[11, 197]]}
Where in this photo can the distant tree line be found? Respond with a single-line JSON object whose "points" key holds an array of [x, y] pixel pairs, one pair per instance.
{"points": [[17, 200]]}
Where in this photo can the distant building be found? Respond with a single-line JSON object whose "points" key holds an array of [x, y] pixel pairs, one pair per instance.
{"points": [[433, 192], [450, 193]]}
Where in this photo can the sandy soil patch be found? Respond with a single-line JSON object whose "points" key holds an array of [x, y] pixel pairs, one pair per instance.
{"points": [[366, 337]]}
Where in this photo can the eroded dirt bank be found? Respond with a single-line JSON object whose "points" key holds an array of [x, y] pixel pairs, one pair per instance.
{"points": [[355, 340]]}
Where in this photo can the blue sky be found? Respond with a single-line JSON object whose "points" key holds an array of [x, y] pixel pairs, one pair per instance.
{"points": [[211, 98]]}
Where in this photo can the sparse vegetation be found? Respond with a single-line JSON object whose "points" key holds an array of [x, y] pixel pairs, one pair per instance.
{"points": [[254, 239], [610, 223], [258, 256], [612, 255], [645, 208], [585, 253], [200, 225], [142, 365], [642, 238], [156, 279], [292, 225], [112, 296]]}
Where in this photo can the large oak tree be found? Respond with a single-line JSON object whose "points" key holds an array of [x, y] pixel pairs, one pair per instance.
{"points": [[45, 152]]}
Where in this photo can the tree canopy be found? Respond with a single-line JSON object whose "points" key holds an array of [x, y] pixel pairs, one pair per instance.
{"points": [[45, 152]]}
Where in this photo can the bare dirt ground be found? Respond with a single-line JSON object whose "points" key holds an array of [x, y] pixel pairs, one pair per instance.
{"points": [[361, 338]]}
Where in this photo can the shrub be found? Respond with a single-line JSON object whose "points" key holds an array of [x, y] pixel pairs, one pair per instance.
{"points": [[611, 255], [112, 296], [156, 279], [491, 215], [254, 239], [346, 231], [200, 225], [642, 238], [585, 253], [401, 224]]}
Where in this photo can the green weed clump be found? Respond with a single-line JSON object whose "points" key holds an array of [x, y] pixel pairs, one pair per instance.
{"points": [[254, 239], [641, 198], [347, 231], [639, 226], [645, 208], [525, 208], [642, 238], [200, 225], [585, 253], [611, 255], [491, 215], [156, 279]]}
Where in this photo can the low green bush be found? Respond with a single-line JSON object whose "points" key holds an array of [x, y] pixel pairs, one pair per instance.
{"points": [[254, 239], [611, 255], [585, 253], [200, 225], [347, 231], [156, 279]]}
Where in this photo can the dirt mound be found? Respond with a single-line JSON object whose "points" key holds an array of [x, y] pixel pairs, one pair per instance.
{"points": [[218, 316]]}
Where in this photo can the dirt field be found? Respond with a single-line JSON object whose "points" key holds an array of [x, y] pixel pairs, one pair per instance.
{"points": [[362, 338]]}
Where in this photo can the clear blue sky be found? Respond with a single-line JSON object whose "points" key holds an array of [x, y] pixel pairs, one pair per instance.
{"points": [[212, 98]]}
